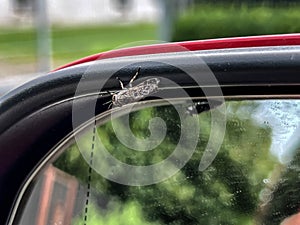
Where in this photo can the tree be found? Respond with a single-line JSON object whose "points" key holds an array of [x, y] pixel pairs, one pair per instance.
{"points": [[285, 195], [226, 193]]}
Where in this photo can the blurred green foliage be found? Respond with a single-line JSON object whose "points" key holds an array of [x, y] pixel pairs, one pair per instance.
{"points": [[231, 20], [226, 193], [128, 213], [251, 2]]}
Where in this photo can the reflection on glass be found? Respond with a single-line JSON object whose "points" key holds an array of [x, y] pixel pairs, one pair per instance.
{"points": [[247, 183]]}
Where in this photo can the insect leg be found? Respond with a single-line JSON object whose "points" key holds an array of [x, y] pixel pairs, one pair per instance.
{"points": [[134, 77], [108, 102], [108, 92], [121, 83]]}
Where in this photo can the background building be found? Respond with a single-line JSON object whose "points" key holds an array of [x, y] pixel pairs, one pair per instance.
{"points": [[70, 12]]}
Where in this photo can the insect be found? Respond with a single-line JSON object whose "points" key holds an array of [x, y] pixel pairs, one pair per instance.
{"points": [[133, 93]]}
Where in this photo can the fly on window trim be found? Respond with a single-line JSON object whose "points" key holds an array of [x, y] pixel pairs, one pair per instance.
{"points": [[134, 93]]}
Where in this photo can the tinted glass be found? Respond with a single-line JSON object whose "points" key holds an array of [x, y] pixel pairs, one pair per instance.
{"points": [[254, 178]]}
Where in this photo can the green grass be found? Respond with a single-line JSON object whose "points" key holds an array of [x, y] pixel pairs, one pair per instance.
{"points": [[71, 43]]}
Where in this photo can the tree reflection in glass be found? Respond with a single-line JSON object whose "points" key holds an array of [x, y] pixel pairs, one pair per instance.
{"points": [[247, 183]]}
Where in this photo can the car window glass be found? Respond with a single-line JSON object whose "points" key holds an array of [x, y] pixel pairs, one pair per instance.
{"points": [[254, 178]]}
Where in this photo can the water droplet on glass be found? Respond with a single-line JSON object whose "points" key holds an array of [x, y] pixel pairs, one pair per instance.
{"points": [[266, 181]]}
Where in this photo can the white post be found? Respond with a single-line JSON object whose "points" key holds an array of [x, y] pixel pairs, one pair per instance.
{"points": [[167, 17], [43, 30]]}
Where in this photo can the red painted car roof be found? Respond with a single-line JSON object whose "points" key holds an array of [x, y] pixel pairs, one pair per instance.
{"points": [[238, 42]]}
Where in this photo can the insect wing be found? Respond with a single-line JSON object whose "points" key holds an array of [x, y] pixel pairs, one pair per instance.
{"points": [[148, 86], [136, 93]]}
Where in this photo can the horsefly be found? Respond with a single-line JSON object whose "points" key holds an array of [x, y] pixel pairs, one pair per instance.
{"points": [[133, 93]]}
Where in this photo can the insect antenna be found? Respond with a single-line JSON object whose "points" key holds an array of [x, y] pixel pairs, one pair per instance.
{"points": [[110, 101], [134, 77], [121, 83]]}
